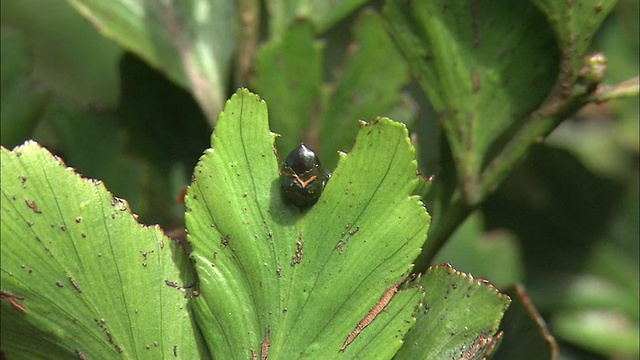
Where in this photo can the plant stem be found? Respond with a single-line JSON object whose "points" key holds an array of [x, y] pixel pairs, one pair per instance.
{"points": [[539, 125], [625, 89], [249, 19]]}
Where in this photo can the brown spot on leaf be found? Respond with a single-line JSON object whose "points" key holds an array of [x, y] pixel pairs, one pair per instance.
{"points": [[33, 206], [80, 355], [75, 284], [120, 204], [264, 347], [13, 298], [479, 346], [385, 299], [297, 257], [475, 81]]}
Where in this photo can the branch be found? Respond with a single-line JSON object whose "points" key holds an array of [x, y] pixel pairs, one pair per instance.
{"points": [[249, 13], [559, 106], [625, 89]]}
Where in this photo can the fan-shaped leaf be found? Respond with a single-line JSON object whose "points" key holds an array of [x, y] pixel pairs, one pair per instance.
{"points": [[289, 72], [575, 23], [80, 277], [483, 65], [298, 280], [462, 318], [191, 41], [322, 14], [369, 85]]}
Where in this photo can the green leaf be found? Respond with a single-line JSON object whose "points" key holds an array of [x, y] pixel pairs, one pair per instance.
{"points": [[575, 23], [601, 331], [191, 41], [322, 14], [68, 56], [492, 255], [80, 277], [461, 320], [325, 14], [304, 277], [597, 309], [356, 93], [289, 76], [95, 146], [483, 65], [21, 102], [526, 333]]}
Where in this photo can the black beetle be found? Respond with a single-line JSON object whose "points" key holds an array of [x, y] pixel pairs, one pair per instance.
{"points": [[303, 178]]}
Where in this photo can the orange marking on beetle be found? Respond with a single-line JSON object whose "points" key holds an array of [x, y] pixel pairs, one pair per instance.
{"points": [[373, 313], [304, 183]]}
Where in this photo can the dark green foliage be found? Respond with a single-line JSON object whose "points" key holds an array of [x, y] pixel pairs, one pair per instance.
{"points": [[530, 178]]}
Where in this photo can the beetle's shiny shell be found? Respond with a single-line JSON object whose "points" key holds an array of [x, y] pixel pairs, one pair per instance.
{"points": [[303, 178]]}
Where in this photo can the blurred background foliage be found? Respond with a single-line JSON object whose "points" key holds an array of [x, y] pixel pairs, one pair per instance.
{"points": [[565, 223]]}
